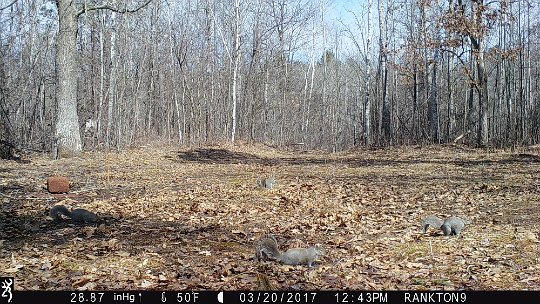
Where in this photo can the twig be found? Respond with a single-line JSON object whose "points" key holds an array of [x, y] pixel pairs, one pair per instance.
{"points": [[39, 198]]}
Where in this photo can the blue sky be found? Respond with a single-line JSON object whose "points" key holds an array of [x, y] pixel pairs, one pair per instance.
{"points": [[340, 14], [342, 8]]}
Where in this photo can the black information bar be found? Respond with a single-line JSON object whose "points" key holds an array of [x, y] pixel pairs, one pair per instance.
{"points": [[255, 297]]}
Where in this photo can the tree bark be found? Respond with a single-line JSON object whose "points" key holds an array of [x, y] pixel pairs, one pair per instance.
{"points": [[67, 120], [482, 139], [236, 59], [367, 100], [433, 109], [478, 47], [384, 117]]}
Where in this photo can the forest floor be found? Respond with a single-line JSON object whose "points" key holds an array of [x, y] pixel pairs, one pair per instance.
{"points": [[176, 220]]}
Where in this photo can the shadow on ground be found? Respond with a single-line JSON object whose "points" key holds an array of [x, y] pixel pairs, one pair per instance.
{"points": [[222, 156]]}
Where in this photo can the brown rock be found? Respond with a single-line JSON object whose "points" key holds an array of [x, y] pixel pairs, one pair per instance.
{"points": [[57, 184]]}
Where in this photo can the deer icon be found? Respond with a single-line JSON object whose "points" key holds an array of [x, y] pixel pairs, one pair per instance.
{"points": [[6, 285]]}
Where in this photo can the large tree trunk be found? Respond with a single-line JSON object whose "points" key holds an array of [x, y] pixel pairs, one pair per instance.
{"points": [[67, 120], [482, 137]]}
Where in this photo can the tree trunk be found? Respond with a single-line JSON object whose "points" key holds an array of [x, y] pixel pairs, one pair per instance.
{"points": [[478, 48], [367, 100], [384, 118], [67, 120], [112, 84], [433, 109], [482, 139], [451, 105], [236, 58]]}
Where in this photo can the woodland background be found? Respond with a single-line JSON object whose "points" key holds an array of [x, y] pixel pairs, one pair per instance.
{"points": [[191, 81], [114, 74]]}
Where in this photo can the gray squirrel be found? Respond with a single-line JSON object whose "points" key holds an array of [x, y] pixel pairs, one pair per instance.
{"points": [[450, 226], [268, 249], [267, 183], [76, 215]]}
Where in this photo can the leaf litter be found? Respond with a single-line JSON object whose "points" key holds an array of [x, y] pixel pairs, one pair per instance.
{"points": [[187, 219]]}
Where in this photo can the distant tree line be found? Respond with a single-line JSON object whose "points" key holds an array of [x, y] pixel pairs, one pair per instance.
{"points": [[111, 74]]}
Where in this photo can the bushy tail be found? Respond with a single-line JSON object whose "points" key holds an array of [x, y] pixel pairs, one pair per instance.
{"points": [[267, 249], [432, 221]]}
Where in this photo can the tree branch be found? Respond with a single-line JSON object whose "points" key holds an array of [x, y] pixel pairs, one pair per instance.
{"points": [[114, 9], [467, 72], [7, 6]]}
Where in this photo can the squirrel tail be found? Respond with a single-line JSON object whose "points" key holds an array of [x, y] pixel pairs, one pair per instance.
{"points": [[267, 248], [59, 209], [432, 221]]}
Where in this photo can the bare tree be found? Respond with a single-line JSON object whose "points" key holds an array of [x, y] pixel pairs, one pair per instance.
{"points": [[235, 65], [202, 71], [67, 120], [384, 117]]}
